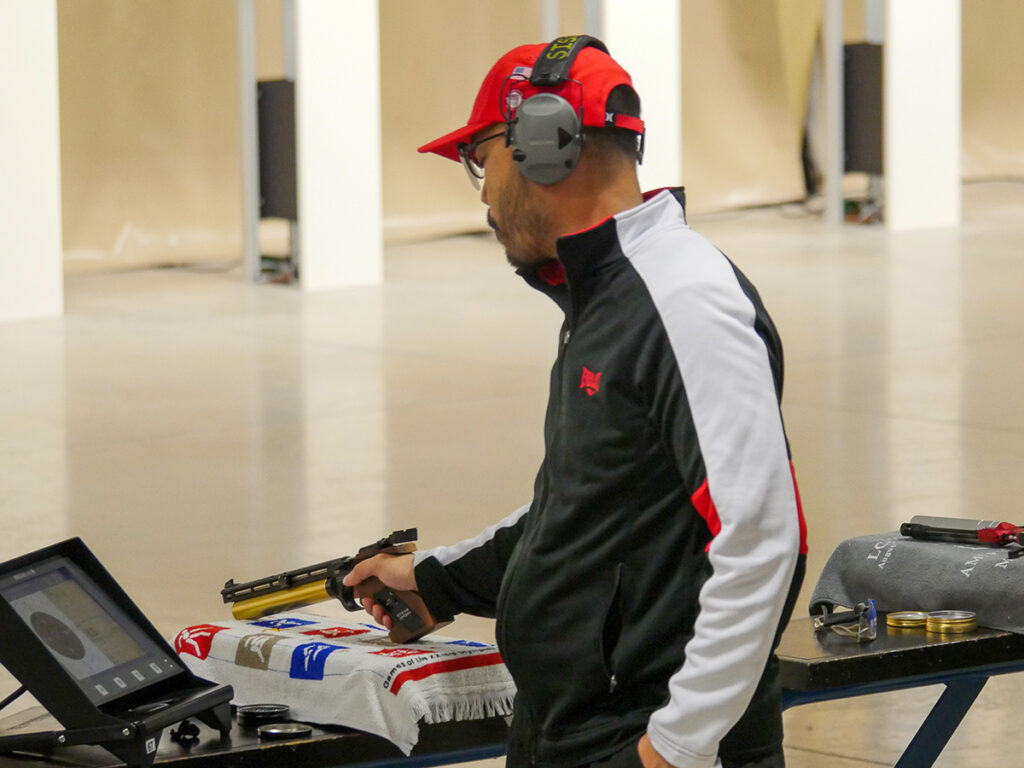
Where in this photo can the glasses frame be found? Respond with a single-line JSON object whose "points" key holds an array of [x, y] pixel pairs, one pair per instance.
{"points": [[467, 154], [860, 624]]}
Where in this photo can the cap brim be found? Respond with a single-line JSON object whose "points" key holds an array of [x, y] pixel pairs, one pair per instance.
{"points": [[447, 145]]}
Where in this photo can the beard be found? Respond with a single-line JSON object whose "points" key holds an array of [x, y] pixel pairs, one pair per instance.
{"points": [[525, 224]]}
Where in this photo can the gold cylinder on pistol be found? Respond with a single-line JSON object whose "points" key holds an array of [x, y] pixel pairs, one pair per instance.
{"points": [[285, 600], [906, 620], [951, 622]]}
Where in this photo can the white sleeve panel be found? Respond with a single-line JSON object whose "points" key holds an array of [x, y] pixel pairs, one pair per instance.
{"points": [[448, 555], [731, 396]]}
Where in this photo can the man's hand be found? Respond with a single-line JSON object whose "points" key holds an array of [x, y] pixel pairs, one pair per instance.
{"points": [[649, 756], [395, 571]]}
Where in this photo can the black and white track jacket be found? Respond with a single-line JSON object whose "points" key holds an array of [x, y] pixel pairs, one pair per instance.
{"points": [[643, 585]]}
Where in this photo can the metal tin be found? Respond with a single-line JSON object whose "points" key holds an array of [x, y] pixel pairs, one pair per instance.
{"points": [[252, 715], [284, 731], [951, 622], [907, 619]]}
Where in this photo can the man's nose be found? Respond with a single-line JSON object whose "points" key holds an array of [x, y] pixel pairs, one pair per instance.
{"points": [[483, 193]]}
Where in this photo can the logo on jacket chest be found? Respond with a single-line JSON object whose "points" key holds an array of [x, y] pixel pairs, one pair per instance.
{"points": [[591, 381]]}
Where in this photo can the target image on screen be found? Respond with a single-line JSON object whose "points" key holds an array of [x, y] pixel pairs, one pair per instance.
{"points": [[75, 628], [93, 640]]}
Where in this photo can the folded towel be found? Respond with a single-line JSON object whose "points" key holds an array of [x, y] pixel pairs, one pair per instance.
{"points": [[903, 574], [345, 673]]}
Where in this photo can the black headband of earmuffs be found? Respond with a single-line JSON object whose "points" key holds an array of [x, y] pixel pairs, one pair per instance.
{"points": [[553, 65]]}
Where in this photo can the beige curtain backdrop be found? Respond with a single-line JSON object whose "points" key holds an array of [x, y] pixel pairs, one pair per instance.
{"points": [[149, 143], [746, 68], [993, 91], [433, 58], [149, 111]]}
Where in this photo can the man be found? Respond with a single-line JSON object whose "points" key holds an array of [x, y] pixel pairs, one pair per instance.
{"points": [[639, 595]]}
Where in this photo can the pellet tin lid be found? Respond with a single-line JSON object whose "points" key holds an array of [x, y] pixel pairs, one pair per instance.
{"points": [[951, 622], [252, 715], [907, 619], [284, 731]]}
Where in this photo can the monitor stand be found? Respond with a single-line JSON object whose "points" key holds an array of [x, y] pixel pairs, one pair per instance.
{"points": [[134, 738]]}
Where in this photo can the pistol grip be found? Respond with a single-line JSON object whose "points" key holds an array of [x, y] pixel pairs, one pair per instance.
{"points": [[410, 619]]}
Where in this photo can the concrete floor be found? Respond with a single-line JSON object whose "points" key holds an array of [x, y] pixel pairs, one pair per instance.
{"points": [[191, 428]]}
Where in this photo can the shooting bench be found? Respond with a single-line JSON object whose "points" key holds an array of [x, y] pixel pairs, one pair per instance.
{"points": [[823, 666], [439, 744], [813, 667], [74, 639]]}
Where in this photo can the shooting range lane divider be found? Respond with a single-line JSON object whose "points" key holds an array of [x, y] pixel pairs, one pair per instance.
{"points": [[351, 674]]}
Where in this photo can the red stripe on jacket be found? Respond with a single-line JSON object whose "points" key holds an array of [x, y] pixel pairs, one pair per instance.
{"points": [[799, 512], [705, 506]]}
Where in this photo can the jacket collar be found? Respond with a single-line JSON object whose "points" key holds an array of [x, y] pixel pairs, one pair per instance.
{"points": [[582, 254]]}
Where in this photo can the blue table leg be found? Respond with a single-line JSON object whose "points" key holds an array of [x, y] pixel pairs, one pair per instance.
{"points": [[938, 727]]}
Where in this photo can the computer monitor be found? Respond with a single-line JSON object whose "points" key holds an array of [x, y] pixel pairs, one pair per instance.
{"points": [[103, 652], [77, 642]]}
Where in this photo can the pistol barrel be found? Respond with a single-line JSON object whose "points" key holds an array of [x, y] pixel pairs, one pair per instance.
{"points": [[282, 600]]}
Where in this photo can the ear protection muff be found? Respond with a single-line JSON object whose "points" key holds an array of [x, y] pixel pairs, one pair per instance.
{"points": [[546, 138], [546, 134]]}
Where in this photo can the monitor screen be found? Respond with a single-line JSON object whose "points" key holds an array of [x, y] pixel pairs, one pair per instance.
{"points": [[98, 645]]}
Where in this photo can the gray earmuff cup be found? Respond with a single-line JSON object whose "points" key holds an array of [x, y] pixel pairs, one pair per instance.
{"points": [[546, 138]]}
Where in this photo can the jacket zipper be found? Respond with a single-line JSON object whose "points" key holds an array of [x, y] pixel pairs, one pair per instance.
{"points": [[561, 431], [561, 414], [525, 706], [531, 745], [500, 632], [528, 534]]}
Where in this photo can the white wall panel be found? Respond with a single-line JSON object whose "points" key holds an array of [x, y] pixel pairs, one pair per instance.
{"points": [[647, 45], [30, 221], [922, 114], [337, 96]]}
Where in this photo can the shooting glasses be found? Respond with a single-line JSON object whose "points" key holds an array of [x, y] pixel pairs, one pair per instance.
{"points": [[467, 154], [861, 623]]}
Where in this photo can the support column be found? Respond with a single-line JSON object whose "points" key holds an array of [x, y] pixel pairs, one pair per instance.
{"points": [[832, 56], [648, 46], [31, 258], [248, 139], [549, 19], [922, 114], [337, 116]]}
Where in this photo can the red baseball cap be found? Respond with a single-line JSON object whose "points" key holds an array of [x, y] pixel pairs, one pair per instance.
{"points": [[507, 85]]}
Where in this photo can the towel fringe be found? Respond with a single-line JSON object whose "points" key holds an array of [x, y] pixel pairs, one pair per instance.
{"points": [[467, 708]]}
